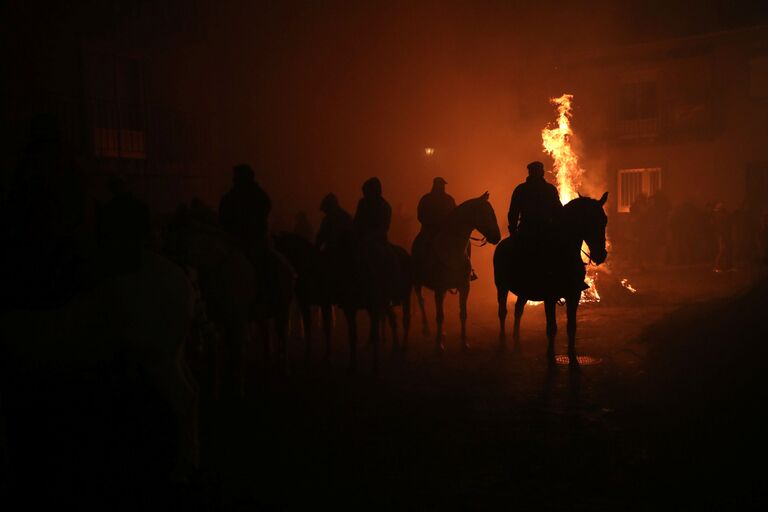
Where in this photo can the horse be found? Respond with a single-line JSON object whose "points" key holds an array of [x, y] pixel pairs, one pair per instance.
{"points": [[442, 264], [143, 316], [372, 276], [581, 220], [236, 292], [312, 283]]}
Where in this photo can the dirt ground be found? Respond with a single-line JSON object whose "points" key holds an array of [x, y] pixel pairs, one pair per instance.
{"points": [[479, 429]]}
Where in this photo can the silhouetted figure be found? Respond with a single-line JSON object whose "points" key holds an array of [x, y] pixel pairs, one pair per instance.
{"points": [[335, 226], [373, 215], [244, 211], [303, 227], [534, 203], [123, 229], [41, 223], [434, 208]]}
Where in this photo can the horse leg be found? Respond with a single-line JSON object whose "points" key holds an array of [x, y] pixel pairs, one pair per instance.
{"points": [[351, 315], [375, 316], [327, 324], [549, 310], [306, 316], [406, 320], [424, 322], [463, 297], [440, 316], [392, 317], [282, 316], [572, 305], [519, 308], [501, 298]]}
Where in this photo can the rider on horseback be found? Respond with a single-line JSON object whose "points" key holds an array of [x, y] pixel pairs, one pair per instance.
{"points": [[434, 207], [335, 226], [373, 214], [534, 203], [244, 210]]}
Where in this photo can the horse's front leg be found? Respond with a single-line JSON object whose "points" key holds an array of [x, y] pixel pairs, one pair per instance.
{"points": [[350, 313], [306, 319], [501, 298], [392, 318], [519, 308], [549, 310], [572, 306], [440, 317], [375, 315], [463, 297], [327, 312], [424, 322]]}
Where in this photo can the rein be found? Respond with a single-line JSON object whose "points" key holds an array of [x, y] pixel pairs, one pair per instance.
{"points": [[483, 240]]}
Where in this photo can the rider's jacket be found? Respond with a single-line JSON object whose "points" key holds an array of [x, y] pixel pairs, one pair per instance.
{"points": [[336, 224], [372, 218], [244, 211], [533, 205], [433, 209]]}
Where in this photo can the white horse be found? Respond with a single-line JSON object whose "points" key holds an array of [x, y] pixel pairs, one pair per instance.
{"points": [[146, 313]]}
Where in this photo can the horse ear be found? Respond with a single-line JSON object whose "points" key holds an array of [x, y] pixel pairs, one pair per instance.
{"points": [[603, 199], [486, 195], [580, 196]]}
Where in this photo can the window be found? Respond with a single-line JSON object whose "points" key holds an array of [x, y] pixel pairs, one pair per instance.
{"points": [[638, 101], [118, 111], [634, 182]]}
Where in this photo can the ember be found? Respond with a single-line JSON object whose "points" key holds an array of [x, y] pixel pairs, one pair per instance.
{"points": [[625, 284]]}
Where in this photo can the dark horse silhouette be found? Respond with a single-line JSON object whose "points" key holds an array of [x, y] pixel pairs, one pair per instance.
{"points": [[374, 279], [558, 273], [443, 264], [346, 276]]}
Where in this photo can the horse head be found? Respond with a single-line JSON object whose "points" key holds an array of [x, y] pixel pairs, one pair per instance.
{"points": [[485, 219], [591, 224]]}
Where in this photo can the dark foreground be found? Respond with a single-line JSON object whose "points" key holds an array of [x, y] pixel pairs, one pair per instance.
{"points": [[671, 415]]}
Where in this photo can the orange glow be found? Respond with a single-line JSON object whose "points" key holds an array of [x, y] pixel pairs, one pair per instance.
{"points": [[556, 141], [625, 284], [429, 151]]}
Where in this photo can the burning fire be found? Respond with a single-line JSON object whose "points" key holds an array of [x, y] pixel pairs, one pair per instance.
{"points": [[625, 284], [557, 143]]}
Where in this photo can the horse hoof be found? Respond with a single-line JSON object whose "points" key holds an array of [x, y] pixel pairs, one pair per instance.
{"points": [[465, 347], [439, 348]]}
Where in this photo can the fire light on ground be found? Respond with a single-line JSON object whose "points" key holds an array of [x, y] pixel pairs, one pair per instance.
{"points": [[556, 140]]}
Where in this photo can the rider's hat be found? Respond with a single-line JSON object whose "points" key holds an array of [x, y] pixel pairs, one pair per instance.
{"points": [[536, 166], [439, 181]]}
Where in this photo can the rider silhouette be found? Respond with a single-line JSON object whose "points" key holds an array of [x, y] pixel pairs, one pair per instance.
{"points": [[336, 224], [434, 207], [373, 214], [244, 210], [534, 203]]}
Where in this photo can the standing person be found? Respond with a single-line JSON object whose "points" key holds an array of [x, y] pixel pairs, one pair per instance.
{"points": [[244, 212]]}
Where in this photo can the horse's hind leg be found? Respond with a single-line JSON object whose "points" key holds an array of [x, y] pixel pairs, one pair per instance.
{"points": [[306, 317], [463, 298], [440, 317], [375, 317], [519, 308], [392, 317], [327, 312], [572, 305], [351, 316], [549, 310], [406, 320], [424, 322], [501, 298]]}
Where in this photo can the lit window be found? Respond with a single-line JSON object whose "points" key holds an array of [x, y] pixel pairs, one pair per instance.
{"points": [[634, 182]]}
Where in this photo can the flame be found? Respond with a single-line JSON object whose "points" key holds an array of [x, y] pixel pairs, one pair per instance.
{"points": [[625, 284], [556, 140]]}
